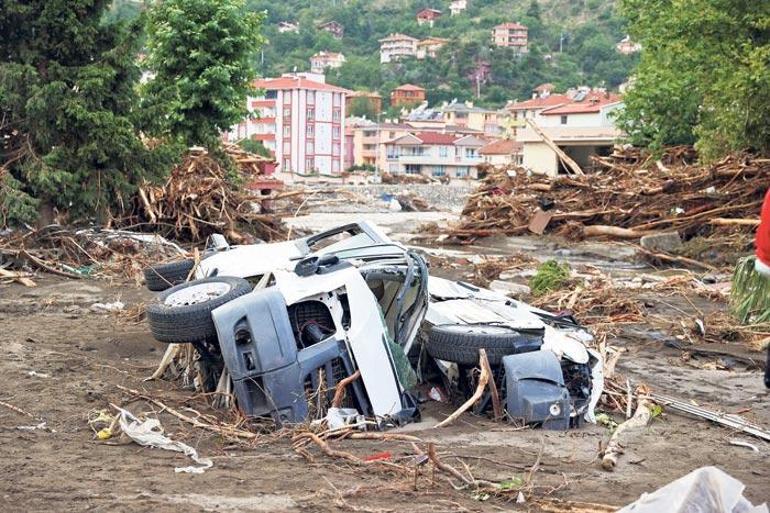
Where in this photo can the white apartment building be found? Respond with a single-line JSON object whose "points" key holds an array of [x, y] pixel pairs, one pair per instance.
{"points": [[396, 46], [434, 154], [301, 119], [322, 61]]}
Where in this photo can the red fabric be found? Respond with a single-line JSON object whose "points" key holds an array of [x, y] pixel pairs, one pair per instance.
{"points": [[763, 233]]}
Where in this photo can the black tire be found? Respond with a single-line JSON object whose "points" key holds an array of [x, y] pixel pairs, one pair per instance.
{"points": [[191, 322], [460, 343], [164, 276]]}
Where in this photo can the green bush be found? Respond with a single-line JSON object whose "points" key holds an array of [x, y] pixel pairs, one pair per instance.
{"points": [[550, 276]]}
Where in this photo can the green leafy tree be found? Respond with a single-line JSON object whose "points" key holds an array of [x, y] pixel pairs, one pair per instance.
{"points": [[704, 74], [201, 52], [67, 96]]}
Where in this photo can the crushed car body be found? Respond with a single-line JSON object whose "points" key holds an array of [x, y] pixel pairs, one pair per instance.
{"points": [[348, 302]]}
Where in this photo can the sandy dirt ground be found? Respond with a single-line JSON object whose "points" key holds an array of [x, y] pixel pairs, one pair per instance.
{"points": [[62, 360]]}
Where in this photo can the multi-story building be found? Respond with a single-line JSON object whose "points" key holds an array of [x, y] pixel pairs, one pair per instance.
{"points": [[407, 95], [511, 35], [476, 118], [458, 6], [434, 154], [579, 128], [397, 46], [322, 61], [427, 48], [301, 119], [428, 16], [334, 28]]}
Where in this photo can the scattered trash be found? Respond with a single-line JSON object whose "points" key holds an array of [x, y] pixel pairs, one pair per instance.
{"points": [[705, 490], [115, 306], [747, 445], [149, 433], [35, 374]]}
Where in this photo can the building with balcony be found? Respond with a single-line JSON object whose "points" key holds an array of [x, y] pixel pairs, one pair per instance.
{"points": [[511, 35], [627, 46], [397, 46], [434, 154], [407, 95], [503, 152], [467, 115], [428, 16], [322, 61], [427, 48], [301, 119], [457, 7]]}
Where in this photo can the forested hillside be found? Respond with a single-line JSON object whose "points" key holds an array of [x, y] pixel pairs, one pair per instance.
{"points": [[572, 42]]}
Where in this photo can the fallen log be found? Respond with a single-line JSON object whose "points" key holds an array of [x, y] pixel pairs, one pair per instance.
{"points": [[625, 432]]}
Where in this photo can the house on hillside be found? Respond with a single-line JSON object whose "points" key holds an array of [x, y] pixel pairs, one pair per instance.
{"points": [[322, 61], [334, 28], [503, 152], [581, 127], [434, 154], [511, 35], [458, 6], [301, 119], [427, 48], [626, 46], [287, 26], [397, 46], [407, 95], [428, 16]]}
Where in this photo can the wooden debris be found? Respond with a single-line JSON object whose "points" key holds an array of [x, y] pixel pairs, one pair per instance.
{"points": [[624, 432], [484, 379], [339, 392]]}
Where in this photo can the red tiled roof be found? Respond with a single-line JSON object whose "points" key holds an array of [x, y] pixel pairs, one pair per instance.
{"points": [[502, 147], [429, 13], [511, 26], [553, 100], [409, 87], [591, 104], [436, 138], [284, 83]]}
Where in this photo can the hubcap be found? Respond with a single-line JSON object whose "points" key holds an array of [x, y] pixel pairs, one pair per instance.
{"points": [[197, 294]]}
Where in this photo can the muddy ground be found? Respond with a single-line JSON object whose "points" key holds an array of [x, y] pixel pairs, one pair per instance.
{"points": [[62, 360]]}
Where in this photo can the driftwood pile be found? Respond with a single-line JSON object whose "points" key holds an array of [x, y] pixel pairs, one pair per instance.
{"points": [[201, 197], [626, 198]]}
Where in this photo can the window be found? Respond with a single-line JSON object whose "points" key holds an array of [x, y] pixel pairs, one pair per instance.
{"points": [[287, 130], [311, 97], [370, 133], [336, 132], [310, 130], [286, 163], [309, 147], [336, 166], [271, 95], [336, 149], [310, 113], [564, 120], [309, 165], [443, 151], [461, 172], [439, 171], [287, 112], [370, 147], [287, 147], [336, 115]]}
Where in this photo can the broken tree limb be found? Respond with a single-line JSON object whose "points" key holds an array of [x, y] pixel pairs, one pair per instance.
{"points": [[326, 448], [483, 381], [598, 230], [339, 391], [676, 259], [496, 408], [568, 162], [624, 432]]}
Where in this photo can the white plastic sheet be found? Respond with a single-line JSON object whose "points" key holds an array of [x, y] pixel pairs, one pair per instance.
{"points": [[706, 490], [149, 434]]}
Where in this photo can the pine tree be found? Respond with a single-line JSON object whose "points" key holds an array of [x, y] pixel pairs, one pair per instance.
{"points": [[68, 98]]}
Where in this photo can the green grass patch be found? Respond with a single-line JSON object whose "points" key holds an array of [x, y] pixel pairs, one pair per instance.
{"points": [[550, 276]]}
